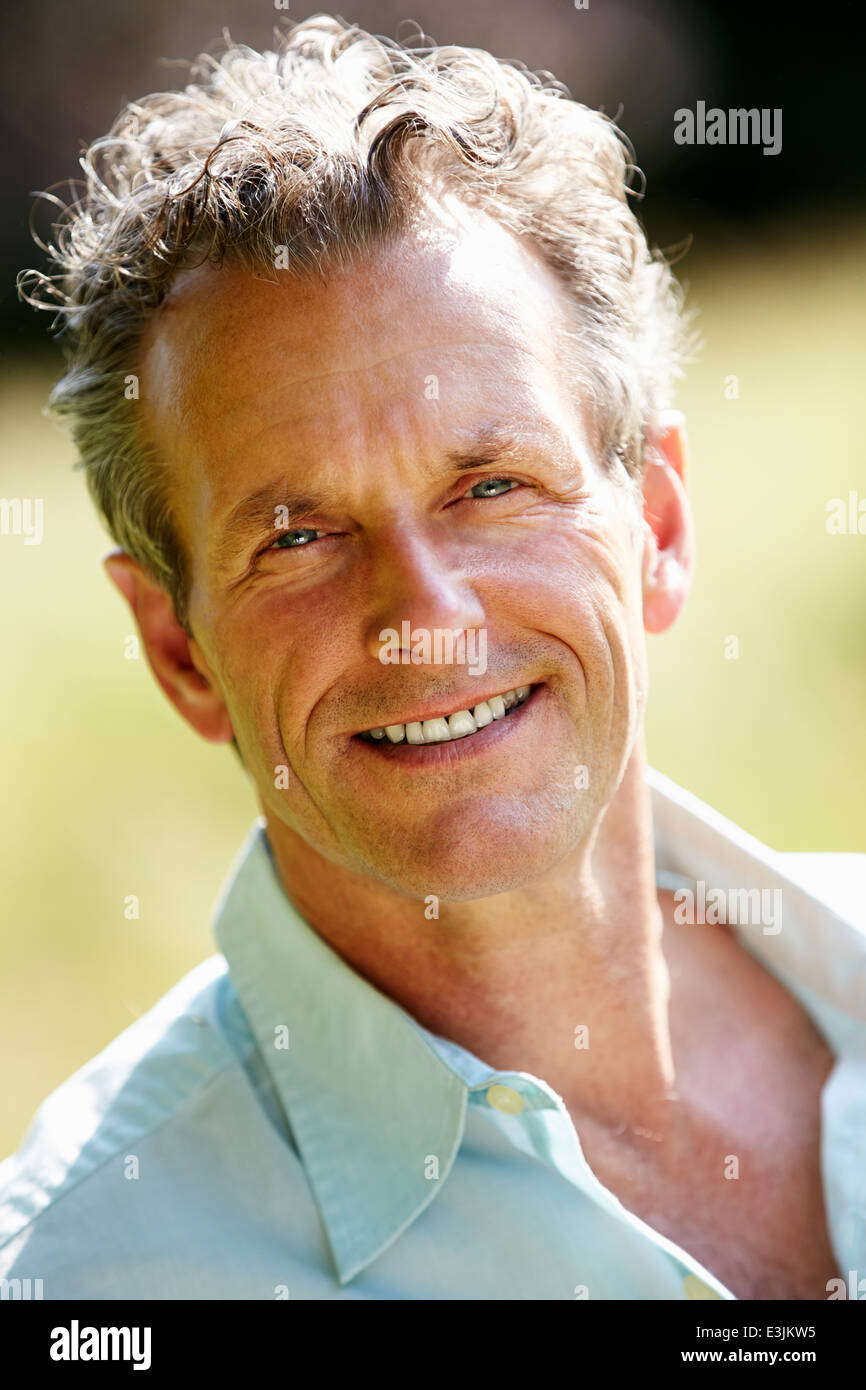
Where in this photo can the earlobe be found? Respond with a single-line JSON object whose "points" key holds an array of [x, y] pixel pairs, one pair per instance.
{"points": [[169, 650]]}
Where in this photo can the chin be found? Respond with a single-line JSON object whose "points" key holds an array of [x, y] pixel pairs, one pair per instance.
{"points": [[472, 863]]}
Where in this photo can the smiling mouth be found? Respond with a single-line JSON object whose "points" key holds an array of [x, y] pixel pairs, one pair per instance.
{"points": [[448, 728]]}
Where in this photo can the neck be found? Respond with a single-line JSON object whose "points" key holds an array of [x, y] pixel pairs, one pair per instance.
{"points": [[512, 977]]}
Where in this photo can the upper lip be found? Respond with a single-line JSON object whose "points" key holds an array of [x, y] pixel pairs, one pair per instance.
{"points": [[442, 706]]}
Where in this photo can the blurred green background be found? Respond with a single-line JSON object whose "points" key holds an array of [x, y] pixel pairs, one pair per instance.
{"points": [[108, 793]]}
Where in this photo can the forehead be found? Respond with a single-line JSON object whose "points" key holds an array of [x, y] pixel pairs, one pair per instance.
{"points": [[458, 267], [282, 367]]}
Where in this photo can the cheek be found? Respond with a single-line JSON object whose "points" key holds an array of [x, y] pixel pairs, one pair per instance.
{"points": [[248, 673], [597, 607], [277, 654], [574, 579]]}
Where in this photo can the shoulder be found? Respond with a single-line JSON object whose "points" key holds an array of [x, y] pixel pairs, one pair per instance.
{"points": [[86, 1144]]}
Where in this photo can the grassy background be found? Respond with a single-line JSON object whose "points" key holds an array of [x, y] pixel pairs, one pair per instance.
{"points": [[107, 793]]}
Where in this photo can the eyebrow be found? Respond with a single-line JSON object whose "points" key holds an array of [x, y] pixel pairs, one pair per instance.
{"points": [[254, 515]]}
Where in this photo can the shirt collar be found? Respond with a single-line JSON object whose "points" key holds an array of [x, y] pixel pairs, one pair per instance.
{"points": [[818, 946], [364, 1125], [371, 1095]]}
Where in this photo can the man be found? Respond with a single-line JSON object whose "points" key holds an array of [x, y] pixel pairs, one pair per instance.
{"points": [[402, 367]]}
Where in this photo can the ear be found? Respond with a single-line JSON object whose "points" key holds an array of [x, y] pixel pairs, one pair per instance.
{"points": [[176, 660], [669, 538]]}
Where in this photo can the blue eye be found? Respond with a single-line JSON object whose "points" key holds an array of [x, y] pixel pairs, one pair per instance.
{"points": [[288, 540], [487, 483]]}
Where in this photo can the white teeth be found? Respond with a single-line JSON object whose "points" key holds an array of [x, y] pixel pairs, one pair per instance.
{"points": [[435, 730], [458, 725], [461, 724]]}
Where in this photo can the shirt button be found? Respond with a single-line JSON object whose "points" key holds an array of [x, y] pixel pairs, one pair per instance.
{"points": [[693, 1287], [504, 1098]]}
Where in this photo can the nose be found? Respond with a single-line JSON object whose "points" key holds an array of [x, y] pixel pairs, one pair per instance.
{"points": [[417, 583]]}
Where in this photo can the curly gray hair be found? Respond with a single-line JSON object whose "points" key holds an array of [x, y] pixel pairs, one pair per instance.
{"points": [[323, 146]]}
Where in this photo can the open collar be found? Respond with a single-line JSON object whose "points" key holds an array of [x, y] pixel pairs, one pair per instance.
{"points": [[371, 1095]]}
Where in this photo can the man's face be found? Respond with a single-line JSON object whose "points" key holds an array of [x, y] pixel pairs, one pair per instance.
{"points": [[374, 406]]}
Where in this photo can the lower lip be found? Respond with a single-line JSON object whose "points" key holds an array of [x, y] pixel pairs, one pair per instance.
{"points": [[454, 750]]}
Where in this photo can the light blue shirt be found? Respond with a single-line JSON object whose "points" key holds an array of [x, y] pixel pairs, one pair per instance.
{"points": [[275, 1127]]}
